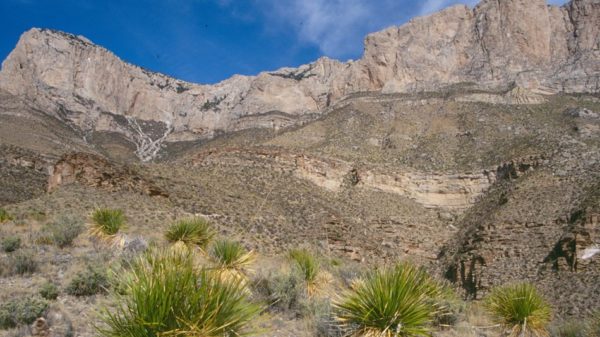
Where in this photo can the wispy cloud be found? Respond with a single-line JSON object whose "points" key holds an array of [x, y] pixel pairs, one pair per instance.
{"points": [[337, 27]]}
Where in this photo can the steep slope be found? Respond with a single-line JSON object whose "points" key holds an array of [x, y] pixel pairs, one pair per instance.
{"points": [[540, 47]]}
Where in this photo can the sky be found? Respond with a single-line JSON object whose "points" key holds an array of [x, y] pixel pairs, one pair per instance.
{"points": [[206, 41]]}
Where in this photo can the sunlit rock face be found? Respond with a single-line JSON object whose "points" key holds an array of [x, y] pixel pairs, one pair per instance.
{"points": [[542, 49]]}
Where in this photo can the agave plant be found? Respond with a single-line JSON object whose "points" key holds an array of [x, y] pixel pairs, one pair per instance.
{"points": [[520, 308], [391, 302], [164, 294], [230, 255], [192, 232], [106, 223]]}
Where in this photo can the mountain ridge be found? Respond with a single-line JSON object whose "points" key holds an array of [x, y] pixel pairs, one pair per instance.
{"points": [[496, 45]]}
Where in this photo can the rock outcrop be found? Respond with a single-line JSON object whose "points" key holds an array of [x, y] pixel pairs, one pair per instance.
{"points": [[543, 49], [448, 191], [95, 171]]}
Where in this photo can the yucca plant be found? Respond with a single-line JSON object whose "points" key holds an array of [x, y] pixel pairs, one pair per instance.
{"points": [[230, 256], [520, 308], [192, 232], [309, 268], [4, 215], [164, 294], [396, 301], [107, 222]]}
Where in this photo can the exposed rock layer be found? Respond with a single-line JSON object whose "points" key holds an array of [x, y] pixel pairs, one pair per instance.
{"points": [[541, 48], [95, 171]]}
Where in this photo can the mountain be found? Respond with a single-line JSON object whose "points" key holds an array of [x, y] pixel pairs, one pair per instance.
{"points": [[467, 141], [498, 44]]}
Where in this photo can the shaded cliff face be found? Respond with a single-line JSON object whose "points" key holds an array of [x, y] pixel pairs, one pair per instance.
{"points": [[542, 48]]}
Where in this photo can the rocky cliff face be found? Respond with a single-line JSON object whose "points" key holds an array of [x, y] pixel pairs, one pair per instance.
{"points": [[542, 48]]}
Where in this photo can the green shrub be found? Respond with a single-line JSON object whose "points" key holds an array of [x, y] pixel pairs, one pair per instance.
{"points": [[64, 231], [165, 294], [89, 282], [519, 307], [23, 262], [228, 254], [21, 311], [49, 291], [11, 243], [192, 232], [4, 215], [107, 222], [398, 301]]}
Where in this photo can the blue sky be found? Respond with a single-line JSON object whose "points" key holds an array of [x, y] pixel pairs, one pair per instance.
{"points": [[206, 41]]}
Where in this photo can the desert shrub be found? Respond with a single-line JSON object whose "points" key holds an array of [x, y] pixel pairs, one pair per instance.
{"points": [[570, 329], [23, 262], [20, 311], [63, 231], [320, 318], [398, 301], [165, 294], [283, 291], [520, 308], [231, 255], [4, 215], [107, 222], [11, 243], [88, 282], [193, 232], [49, 291]]}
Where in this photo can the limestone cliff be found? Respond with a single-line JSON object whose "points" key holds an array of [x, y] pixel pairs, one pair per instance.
{"points": [[545, 49]]}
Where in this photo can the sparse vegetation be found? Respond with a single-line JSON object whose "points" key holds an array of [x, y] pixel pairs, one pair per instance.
{"points": [[4, 215], [283, 291], [193, 232], [11, 243], [520, 308], [20, 311], [107, 222], [593, 328], [49, 291], [23, 262], [90, 281], [230, 255], [63, 231], [165, 294], [398, 301], [570, 329]]}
